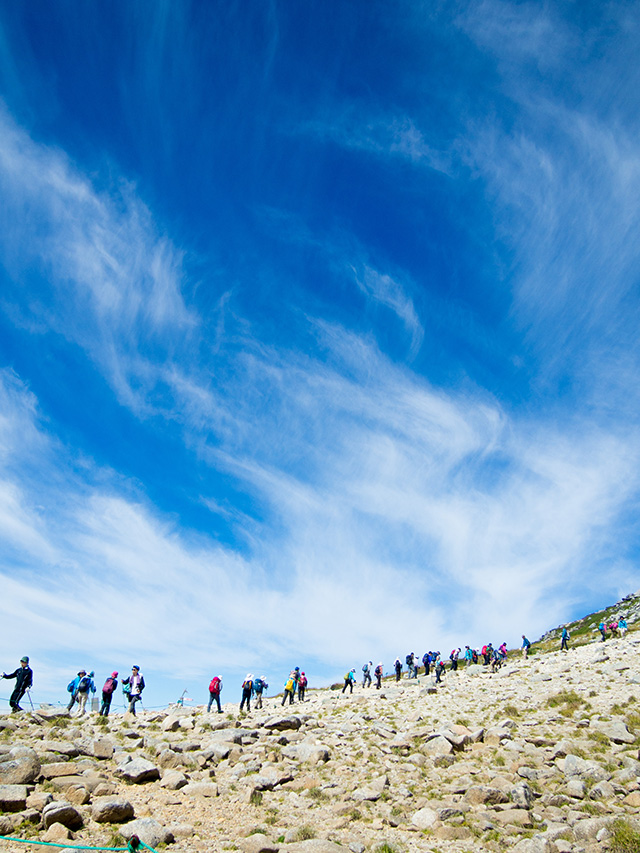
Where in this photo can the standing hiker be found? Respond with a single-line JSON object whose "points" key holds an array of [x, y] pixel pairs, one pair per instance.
{"points": [[603, 630], [564, 639], [24, 679], [289, 689], [440, 671], [74, 688], [108, 689], [366, 678], [622, 626], [133, 687], [215, 686], [378, 675], [398, 668], [302, 687], [526, 645], [247, 690]]}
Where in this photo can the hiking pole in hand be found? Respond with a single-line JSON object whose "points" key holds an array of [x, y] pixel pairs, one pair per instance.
{"points": [[30, 699]]}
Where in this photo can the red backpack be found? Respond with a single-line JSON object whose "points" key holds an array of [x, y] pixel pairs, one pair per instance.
{"points": [[214, 686]]}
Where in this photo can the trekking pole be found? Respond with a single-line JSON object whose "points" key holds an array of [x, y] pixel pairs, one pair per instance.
{"points": [[30, 699]]}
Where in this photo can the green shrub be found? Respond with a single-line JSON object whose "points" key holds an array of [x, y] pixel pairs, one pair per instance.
{"points": [[624, 837], [304, 833]]}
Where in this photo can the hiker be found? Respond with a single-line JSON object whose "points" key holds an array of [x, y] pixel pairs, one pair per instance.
{"points": [[425, 662], [398, 668], [564, 639], [77, 695], [412, 669], [526, 645], [496, 660], [502, 651], [108, 689], [349, 680], [468, 655], [613, 628], [215, 686], [289, 688], [440, 670], [24, 679], [302, 687], [378, 675], [453, 657], [366, 678], [603, 631], [259, 686], [622, 626], [133, 687], [247, 690]]}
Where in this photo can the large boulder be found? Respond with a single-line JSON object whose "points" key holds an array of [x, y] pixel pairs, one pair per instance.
{"points": [[111, 810], [148, 830], [311, 753], [424, 818], [371, 791], [615, 730], [280, 723], [61, 812], [19, 767], [138, 770], [13, 798]]}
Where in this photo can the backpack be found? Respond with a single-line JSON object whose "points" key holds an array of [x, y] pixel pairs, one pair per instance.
{"points": [[365, 668], [289, 685], [109, 685], [258, 685], [378, 670], [71, 686], [214, 685], [84, 684], [409, 660], [247, 685]]}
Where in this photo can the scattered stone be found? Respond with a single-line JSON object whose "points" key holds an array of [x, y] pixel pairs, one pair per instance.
{"points": [[61, 812], [111, 810], [148, 830], [13, 798], [137, 771]]}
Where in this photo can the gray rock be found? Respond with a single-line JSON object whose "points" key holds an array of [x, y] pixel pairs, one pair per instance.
{"points": [[424, 818], [61, 812], [138, 770], [615, 730], [313, 845], [201, 789], [173, 780], [577, 789], [102, 747], [586, 830], [583, 769], [280, 723], [522, 796], [148, 831], [484, 795], [372, 791], [111, 810], [310, 753], [13, 798], [257, 843], [602, 791], [61, 747], [437, 746], [19, 769]]}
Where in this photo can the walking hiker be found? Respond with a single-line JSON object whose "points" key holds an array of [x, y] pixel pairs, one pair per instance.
{"points": [[502, 651], [24, 679], [468, 655], [412, 669], [622, 626], [215, 686], [453, 657], [366, 678], [133, 687], [398, 668], [425, 662], [349, 680], [526, 645], [259, 686], [247, 690], [289, 688], [302, 687], [378, 675], [440, 670], [564, 639], [603, 631], [108, 689]]}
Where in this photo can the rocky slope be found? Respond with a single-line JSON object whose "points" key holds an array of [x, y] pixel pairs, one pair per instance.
{"points": [[541, 757]]}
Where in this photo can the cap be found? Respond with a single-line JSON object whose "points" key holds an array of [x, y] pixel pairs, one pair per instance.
{"points": [[114, 675], [136, 667], [82, 672], [24, 659]]}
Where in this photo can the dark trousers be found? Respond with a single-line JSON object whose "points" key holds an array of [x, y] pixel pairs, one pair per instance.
{"points": [[398, 674], [132, 702], [246, 697], [106, 704], [214, 697], [347, 683], [301, 694], [16, 696], [288, 693]]}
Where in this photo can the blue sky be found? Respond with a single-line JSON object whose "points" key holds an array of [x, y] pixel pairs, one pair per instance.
{"points": [[318, 331]]}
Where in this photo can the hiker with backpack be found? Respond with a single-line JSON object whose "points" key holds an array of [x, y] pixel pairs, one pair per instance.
{"points": [[366, 678], [289, 689], [411, 665], [398, 668], [79, 688], [603, 630], [564, 639], [349, 680], [302, 686], [378, 675], [440, 671], [133, 687], [453, 657], [526, 645], [259, 686], [215, 686], [108, 689], [426, 660], [24, 679], [622, 626], [247, 690]]}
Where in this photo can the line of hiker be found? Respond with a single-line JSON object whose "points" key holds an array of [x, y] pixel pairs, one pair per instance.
{"points": [[83, 685]]}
